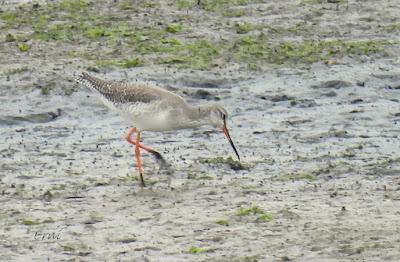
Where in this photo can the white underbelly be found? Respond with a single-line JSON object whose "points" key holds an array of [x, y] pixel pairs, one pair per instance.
{"points": [[153, 116], [148, 117]]}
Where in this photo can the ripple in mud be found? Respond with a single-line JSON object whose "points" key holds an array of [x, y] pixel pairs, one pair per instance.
{"points": [[303, 103], [31, 118], [330, 94], [336, 84], [277, 98], [356, 101], [395, 86], [322, 136], [393, 77], [204, 94], [230, 162]]}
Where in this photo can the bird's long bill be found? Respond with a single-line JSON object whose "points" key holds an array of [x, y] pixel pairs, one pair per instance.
{"points": [[226, 132]]}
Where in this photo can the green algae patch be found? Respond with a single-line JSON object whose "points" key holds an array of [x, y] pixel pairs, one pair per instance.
{"points": [[136, 5], [125, 63], [243, 28], [23, 47], [222, 222], [234, 13], [10, 38], [253, 49], [318, 2], [391, 27], [297, 177], [30, 222], [59, 32], [244, 211], [201, 55], [183, 4], [129, 63], [174, 28], [388, 161], [73, 5], [171, 41], [262, 216], [196, 250], [233, 164], [9, 18], [76, 23], [96, 32], [214, 5], [197, 55], [266, 217]]}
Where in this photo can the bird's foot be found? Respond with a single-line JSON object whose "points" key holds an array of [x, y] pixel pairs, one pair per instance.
{"points": [[142, 184], [163, 164]]}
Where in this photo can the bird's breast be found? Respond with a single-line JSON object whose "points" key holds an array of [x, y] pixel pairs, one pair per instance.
{"points": [[149, 116]]}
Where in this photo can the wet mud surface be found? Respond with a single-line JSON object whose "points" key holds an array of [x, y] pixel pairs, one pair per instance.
{"points": [[318, 181]]}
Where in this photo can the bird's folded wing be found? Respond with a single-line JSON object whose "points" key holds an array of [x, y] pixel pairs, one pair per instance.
{"points": [[119, 93]]}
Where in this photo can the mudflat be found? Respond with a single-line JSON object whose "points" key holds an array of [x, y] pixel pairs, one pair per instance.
{"points": [[312, 90]]}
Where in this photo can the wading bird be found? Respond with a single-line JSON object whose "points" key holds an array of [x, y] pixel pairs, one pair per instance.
{"points": [[151, 108]]}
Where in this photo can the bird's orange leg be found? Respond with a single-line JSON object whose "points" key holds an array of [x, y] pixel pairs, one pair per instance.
{"points": [[157, 155], [129, 139], [137, 145], [138, 161]]}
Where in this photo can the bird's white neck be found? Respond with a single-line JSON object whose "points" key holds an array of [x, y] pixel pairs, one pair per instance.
{"points": [[196, 116]]}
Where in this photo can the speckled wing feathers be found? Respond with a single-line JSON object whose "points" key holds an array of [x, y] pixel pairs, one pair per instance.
{"points": [[118, 93]]}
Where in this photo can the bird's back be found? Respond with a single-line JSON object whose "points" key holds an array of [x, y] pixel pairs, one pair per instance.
{"points": [[143, 105], [123, 93]]}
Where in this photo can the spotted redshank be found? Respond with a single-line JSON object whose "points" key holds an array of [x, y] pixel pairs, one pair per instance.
{"points": [[152, 108]]}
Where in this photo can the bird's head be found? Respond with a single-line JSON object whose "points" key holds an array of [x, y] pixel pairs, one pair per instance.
{"points": [[218, 116]]}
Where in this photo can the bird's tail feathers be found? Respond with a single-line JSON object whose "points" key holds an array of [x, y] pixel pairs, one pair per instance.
{"points": [[93, 82]]}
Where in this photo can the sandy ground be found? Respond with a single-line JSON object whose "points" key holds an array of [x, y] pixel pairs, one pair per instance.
{"points": [[319, 145]]}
